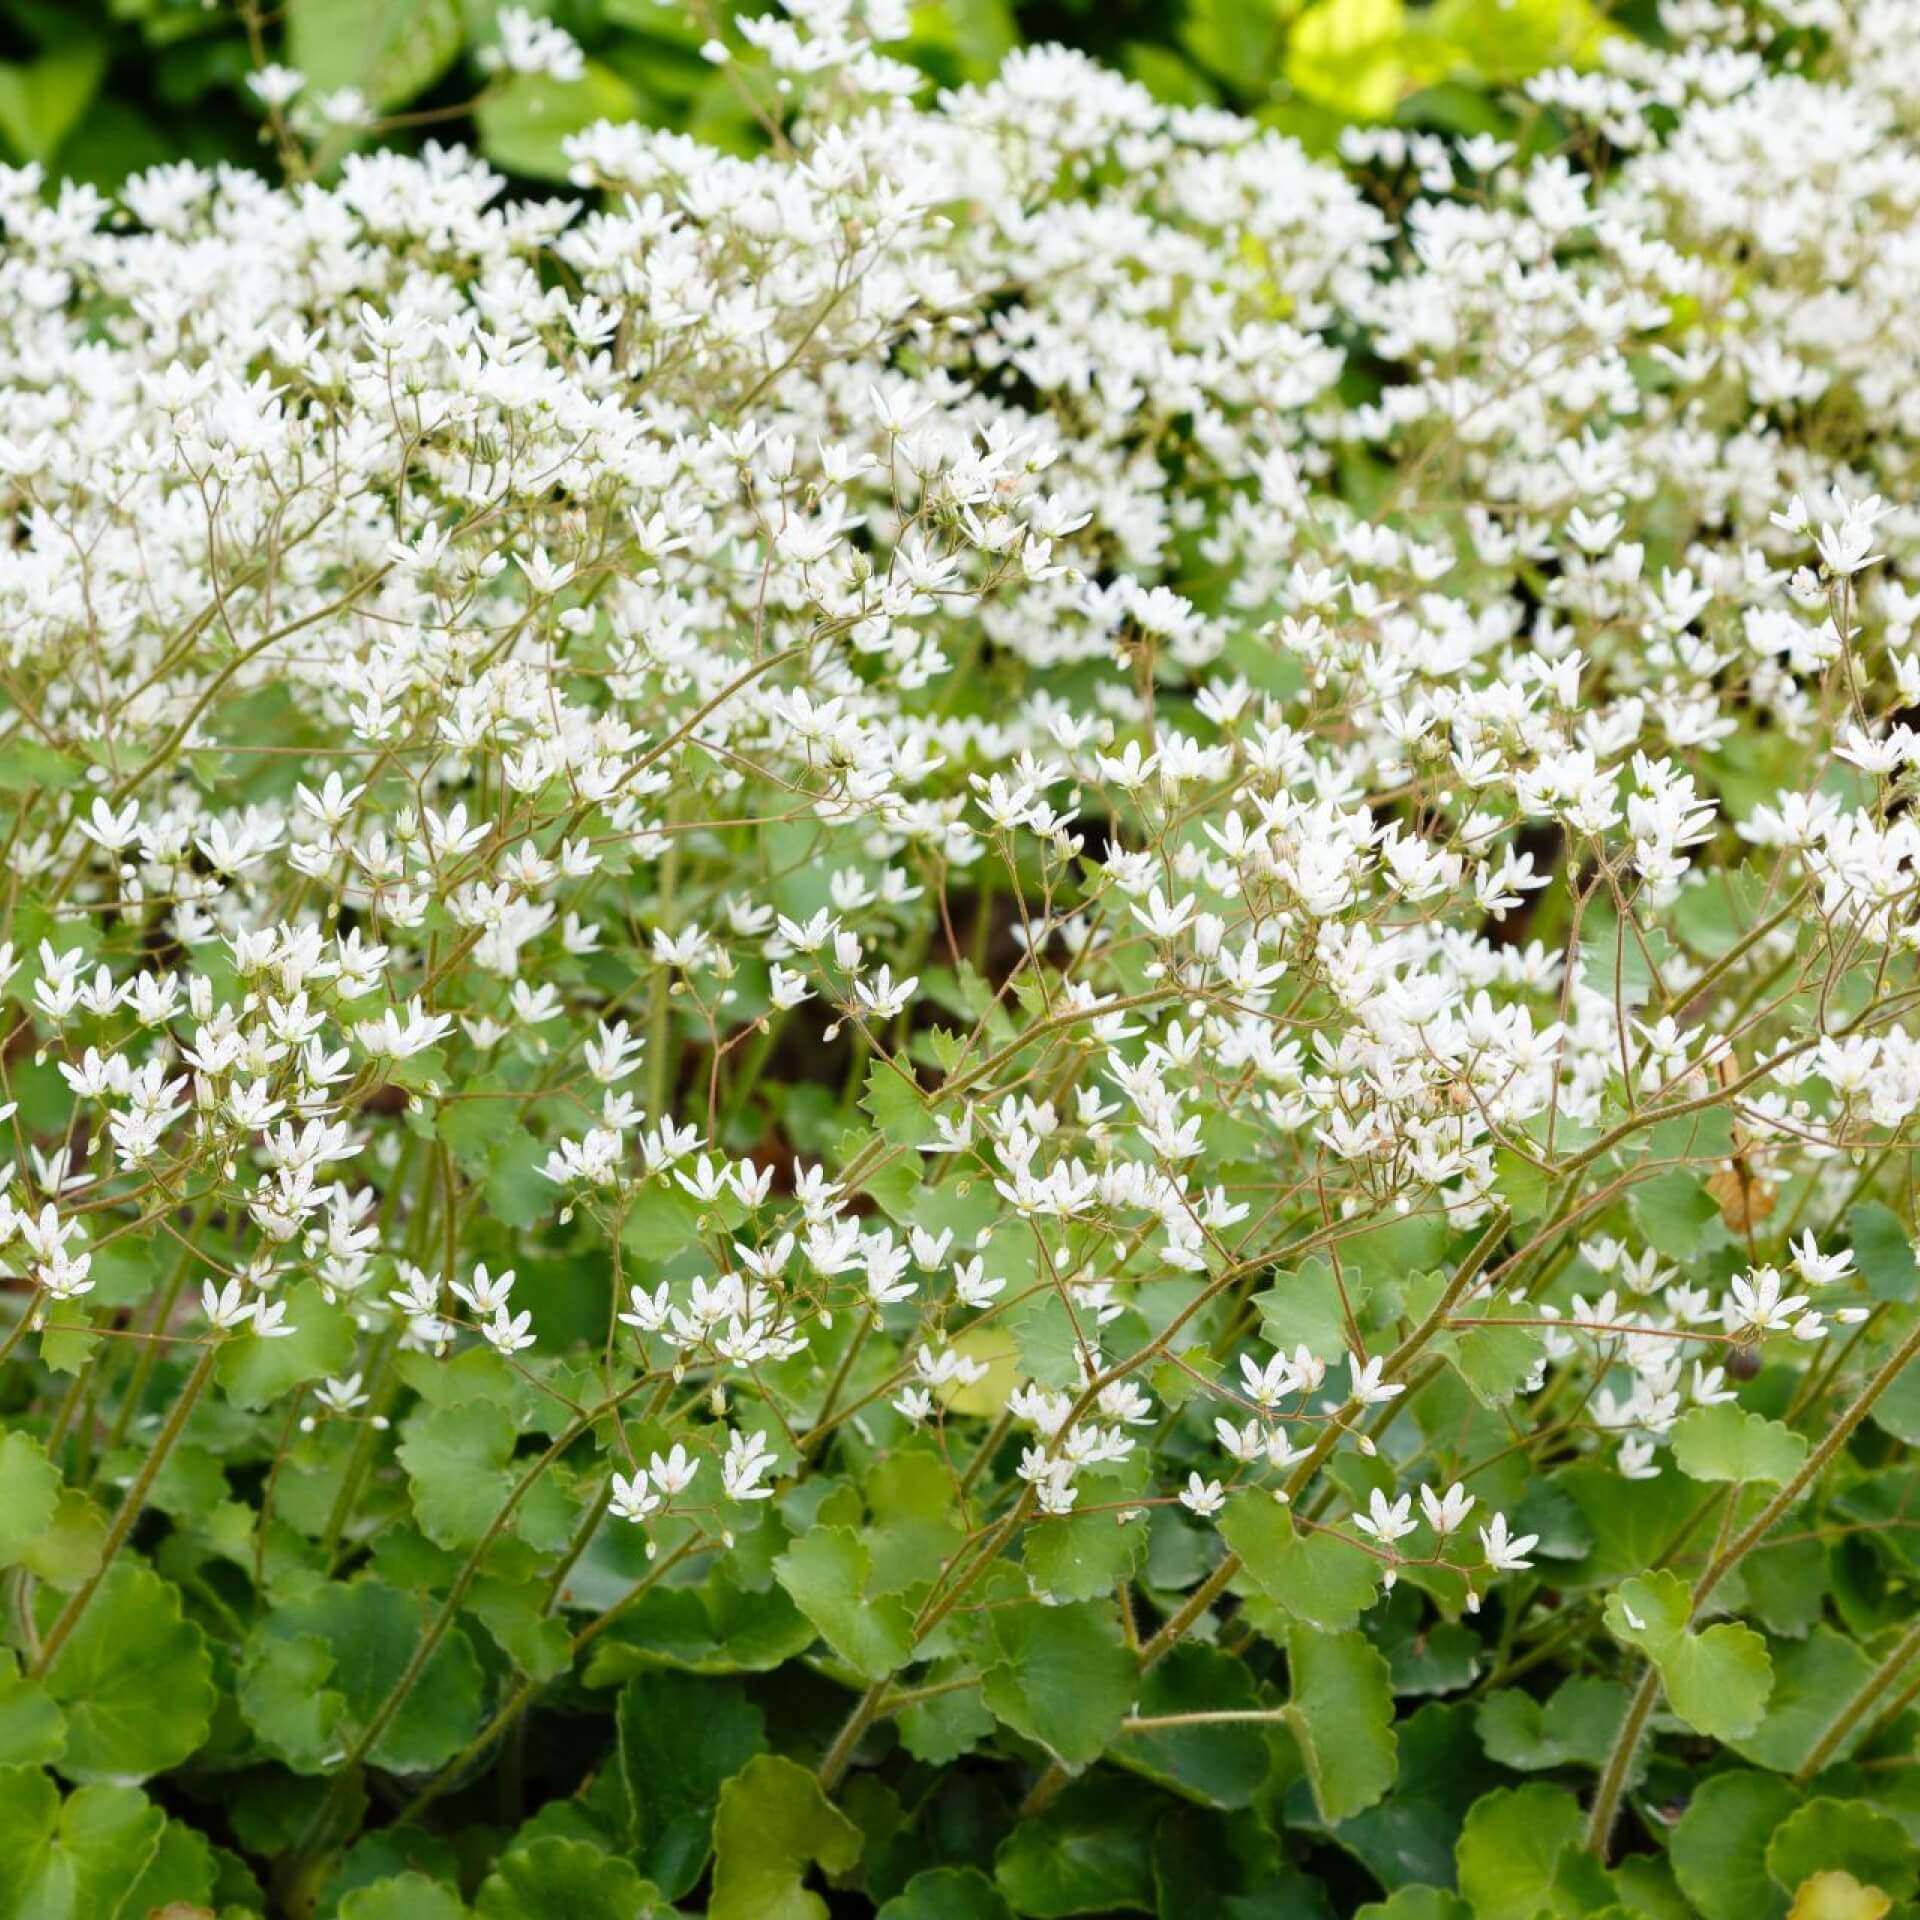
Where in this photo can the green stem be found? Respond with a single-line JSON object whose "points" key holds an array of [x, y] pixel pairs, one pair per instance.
{"points": [[1869, 1695], [1606, 1802], [131, 1507]]}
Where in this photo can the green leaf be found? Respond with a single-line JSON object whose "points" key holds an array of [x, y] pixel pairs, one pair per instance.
{"points": [[1090, 1853], [525, 117], [773, 1823], [134, 1678], [1065, 1677], [898, 1107], [1219, 1766], [1576, 1725], [258, 1373], [1079, 1556], [41, 101], [825, 1573], [32, 1731], [1318, 1579], [941, 1729], [391, 50], [29, 1494], [1510, 41], [551, 1878], [681, 1739], [1719, 1845], [1883, 1251], [1409, 1837], [1726, 1443], [1304, 1309], [66, 1552], [456, 1460], [1718, 1680], [1417, 1903], [1346, 54], [1843, 1836], [1520, 1855], [1812, 1682], [315, 1672], [1341, 1713], [1675, 1212], [403, 1896], [76, 1859], [947, 1893], [1044, 1339], [180, 1874], [1495, 1362]]}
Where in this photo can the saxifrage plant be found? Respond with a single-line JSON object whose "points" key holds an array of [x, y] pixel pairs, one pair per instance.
{"points": [[1014, 1016]]}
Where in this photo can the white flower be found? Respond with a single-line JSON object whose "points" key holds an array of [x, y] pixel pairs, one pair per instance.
{"points": [[1202, 1496], [1505, 1553], [1368, 1391], [1386, 1522], [1447, 1512]]}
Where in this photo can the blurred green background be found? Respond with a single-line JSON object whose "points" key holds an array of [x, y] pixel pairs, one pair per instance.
{"points": [[100, 88]]}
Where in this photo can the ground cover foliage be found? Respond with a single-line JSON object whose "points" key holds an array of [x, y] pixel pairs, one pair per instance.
{"points": [[1003, 1011]]}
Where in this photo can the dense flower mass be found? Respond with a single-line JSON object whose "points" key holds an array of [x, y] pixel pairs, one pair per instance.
{"points": [[1033, 894]]}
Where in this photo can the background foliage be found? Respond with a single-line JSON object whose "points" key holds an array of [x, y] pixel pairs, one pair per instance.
{"points": [[96, 89]]}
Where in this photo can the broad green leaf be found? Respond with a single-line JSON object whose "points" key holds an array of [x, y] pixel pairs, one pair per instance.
{"points": [[551, 1878], [773, 1824], [1675, 1212], [1341, 1713], [1719, 1846], [66, 1552], [1417, 1903], [1576, 1724], [456, 1460], [1065, 1677], [1080, 1556], [1347, 54], [714, 1628], [1883, 1252], [1834, 1895], [1716, 1680], [941, 1729], [390, 50], [1494, 1361], [1812, 1682], [526, 117], [134, 1679], [1511, 40], [258, 1373], [1727, 1443], [315, 1672], [1088, 1853], [29, 1493], [947, 1893], [1408, 1839], [825, 1572], [405, 1896], [898, 1107], [1304, 1309], [1520, 1855], [1220, 1766], [681, 1739], [32, 1730], [180, 1874], [76, 1859], [41, 101], [1843, 1836], [1318, 1578], [1045, 1340]]}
